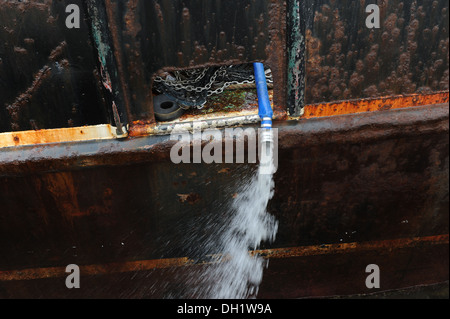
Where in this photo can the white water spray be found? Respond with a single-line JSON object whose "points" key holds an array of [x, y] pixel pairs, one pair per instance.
{"points": [[238, 274]]}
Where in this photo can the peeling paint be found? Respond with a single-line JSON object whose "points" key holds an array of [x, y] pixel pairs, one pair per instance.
{"points": [[64, 135], [374, 104]]}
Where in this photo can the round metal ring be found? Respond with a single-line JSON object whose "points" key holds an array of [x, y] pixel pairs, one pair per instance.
{"points": [[166, 109]]}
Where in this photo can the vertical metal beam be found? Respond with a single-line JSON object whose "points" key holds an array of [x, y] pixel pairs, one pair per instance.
{"points": [[296, 71], [107, 63]]}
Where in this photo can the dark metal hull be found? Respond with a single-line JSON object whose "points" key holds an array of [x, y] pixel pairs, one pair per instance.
{"points": [[363, 146], [350, 191]]}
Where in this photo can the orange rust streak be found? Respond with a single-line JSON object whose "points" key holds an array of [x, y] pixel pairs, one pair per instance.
{"points": [[92, 270], [371, 105], [55, 135], [384, 245], [146, 127]]}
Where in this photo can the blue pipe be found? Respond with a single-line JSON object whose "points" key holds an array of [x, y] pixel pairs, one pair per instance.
{"points": [[265, 109]]}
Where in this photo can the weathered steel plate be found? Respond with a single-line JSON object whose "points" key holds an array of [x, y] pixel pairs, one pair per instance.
{"points": [[371, 187]]}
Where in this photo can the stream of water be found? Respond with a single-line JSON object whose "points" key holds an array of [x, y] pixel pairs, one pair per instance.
{"points": [[238, 274]]}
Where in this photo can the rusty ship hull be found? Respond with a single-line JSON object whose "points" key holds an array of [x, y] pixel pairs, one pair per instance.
{"points": [[363, 162]]}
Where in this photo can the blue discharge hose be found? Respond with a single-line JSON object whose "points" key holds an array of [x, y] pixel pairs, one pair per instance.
{"points": [[265, 109], [266, 115]]}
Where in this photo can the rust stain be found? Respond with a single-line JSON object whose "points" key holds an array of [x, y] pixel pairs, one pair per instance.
{"points": [[276, 52], [384, 245], [15, 108], [118, 54], [233, 106], [72, 134], [264, 41], [134, 266], [373, 105], [43, 74], [64, 191], [192, 198], [55, 272], [142, 128], [62, 188], [346, 60], [58, 51], [134, 67]]}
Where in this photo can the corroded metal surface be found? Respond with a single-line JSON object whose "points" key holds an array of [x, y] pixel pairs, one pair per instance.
{"points": [[64, 135], [340, 275], [319, 52], [296, 57], [48, 73], [228, 110], [361, 180], [373, 104], [346, 60], [156, 148], [142, 279], [150, 36], [281, 253], [379, 177]]}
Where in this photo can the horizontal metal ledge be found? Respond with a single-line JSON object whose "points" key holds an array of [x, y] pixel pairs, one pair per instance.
{"points": [[288, 252], [335, 129], [72, 134]]}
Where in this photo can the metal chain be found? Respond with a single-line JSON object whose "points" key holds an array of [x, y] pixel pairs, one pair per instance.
{"points": [[191, 88], [183, 82]]}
